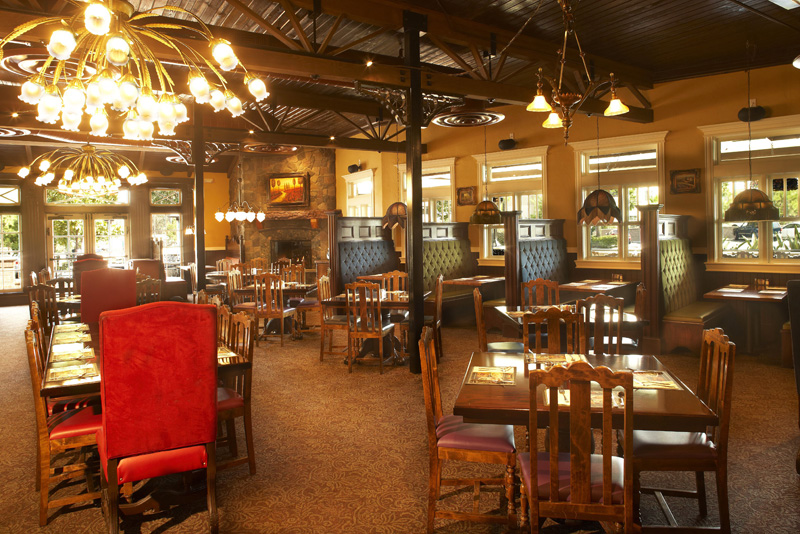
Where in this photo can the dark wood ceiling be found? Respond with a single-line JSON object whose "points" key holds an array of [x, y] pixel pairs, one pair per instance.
{"points": [[311, 60]]}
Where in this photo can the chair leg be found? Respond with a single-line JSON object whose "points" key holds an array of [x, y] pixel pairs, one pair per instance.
{"points": [[722, 495], [512, 512], [434, 479], [349, 354], [113, 497], [211, 488], [257, 334], [380, 354], [701, 493], [248, 436], [44, 485], [321, 343], [282, 322], [438, 337], [523, 506], [230, 437]]}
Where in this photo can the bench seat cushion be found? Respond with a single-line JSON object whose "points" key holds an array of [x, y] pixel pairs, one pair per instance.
{"points": [[698, 312]]}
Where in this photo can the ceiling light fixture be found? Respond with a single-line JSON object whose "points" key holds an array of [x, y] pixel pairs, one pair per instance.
{"points": [[564, 102], [599, 206], [240, 212], [486, 212], [111, 37], [86, 172]]}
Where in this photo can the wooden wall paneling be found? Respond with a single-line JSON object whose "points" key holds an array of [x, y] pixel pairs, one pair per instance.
{"points": [[512, 263], [651, 276]]}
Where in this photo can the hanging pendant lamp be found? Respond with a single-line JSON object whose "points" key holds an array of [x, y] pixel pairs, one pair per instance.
{"points": [[486, 212], [751, 205], [599, 206]]}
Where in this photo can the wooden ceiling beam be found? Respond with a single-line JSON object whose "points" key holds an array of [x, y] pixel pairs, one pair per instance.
{"points": [[263, 24], [288, 8], [465, 32]]}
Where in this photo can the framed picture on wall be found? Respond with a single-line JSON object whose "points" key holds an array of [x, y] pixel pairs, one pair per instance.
{"points": [[289, 189], [466, 196], [687, 181]]}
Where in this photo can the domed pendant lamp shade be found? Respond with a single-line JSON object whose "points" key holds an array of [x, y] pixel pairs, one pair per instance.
{"points": [[396, 213], [599, 206], [752, 204], [486, 212]]}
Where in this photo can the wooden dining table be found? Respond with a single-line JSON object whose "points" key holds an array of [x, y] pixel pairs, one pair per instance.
{"points": [[753, 299], [72, 366], [654, 409], [512, 318]]}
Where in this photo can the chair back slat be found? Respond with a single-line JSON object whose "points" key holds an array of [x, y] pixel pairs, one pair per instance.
{"points": [[715, 382], [269, 293], [539, 292], [148, 290], [45, 296], [590, 492], [395, 281], [430, 385], [260, 264], [483, 345], [324, 292], [551, 322], [364, 308], [602, 318], [241, 341], [235, 283], [224, 326]]}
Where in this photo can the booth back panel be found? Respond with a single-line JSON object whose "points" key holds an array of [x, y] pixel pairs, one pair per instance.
{"points": [[677, 274], [358, 258], [543, 258]]}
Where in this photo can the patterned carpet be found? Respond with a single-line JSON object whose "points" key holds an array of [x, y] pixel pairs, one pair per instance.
{"points": [[341, 453]]}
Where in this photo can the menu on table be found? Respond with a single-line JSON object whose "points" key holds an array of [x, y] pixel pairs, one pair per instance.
{"points": [[502, 376], [553, 359], [653, 380], [86, 353], [61, 338], [73, 327], [72, 372]]}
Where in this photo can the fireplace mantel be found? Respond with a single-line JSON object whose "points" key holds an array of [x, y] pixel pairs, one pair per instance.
{"points": [[289, 215]]}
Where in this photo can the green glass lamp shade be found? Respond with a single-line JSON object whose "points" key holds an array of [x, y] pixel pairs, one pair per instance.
{"points": [[599, 208], [486, 213], [751, 205]]}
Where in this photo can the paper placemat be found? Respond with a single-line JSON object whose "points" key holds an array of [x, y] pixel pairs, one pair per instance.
{"points": [[67, 347], [731, 289], [76, 327], [603, 287], [653, 380], [573, 284], [61, 338], [773, 291], [587, 282], [58, 374], [501, 376], [553, 359], [617, 283], [85, 354]]}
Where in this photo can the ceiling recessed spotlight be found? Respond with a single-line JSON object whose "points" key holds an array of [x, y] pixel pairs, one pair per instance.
{"points": [[369, 63], [333, 138], [252, 132], [15, 114]]}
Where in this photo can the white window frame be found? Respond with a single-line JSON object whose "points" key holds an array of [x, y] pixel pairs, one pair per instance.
{"points": [[18, 271], [351, 181], [582, 151], [516, 188], [764, 169], [447, 165]]}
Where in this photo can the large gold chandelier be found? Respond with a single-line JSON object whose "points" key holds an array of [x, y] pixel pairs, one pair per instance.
{"points": [[88, 171], [109, 38], [566, 103]]}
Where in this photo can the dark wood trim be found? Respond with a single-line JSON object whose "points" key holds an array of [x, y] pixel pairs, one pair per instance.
{"points": [[199, 156], [511, 256], [651, 276]]}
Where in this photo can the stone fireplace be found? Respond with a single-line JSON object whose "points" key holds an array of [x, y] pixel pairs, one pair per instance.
{"points": [[298, 232]]}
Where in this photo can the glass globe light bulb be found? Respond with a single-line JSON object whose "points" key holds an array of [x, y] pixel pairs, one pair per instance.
{"points": [[146, 129], [257, 87], [124, 171], [166, 127], [50, 105], [62, 43], [99, 122], [251, 216], [146, 105], [97, 19], [217, 99], [553, 121], [24, 172], [229, 216], [74, 96], [223, 53], [181, 113], [260, 216], [94, 98], [117, 50], [166, 108], [539, 103], [241, 215], [49, 177], [141, 178], [218, 216], [130, 128], [32, 90], [108, 87], [44, 165], [70, 120], [233, 104], [199, 87], [128, 91]]}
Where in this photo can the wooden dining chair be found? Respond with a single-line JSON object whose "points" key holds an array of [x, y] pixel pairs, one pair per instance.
{"points": [[269, 304], [33, 278], [64, 440], [241, 299], [435, 321], [655, 450], [295, 274], [575, 483], [451, 439], [223, 325], [152, 426], [148, 290], [45, 275], [260, 264], [45, 296], [397, 281], [329, 321], [365, 321], [545, 327], [540, 291], [224, 264], [603, 317], [495, 346], [233, 397]]}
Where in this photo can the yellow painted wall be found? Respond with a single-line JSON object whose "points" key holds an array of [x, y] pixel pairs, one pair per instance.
{"points": [[368, 160], [216, 195], [680, 107]]}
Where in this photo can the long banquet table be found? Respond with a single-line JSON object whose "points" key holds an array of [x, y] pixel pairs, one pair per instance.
{"points": [[654, 409], [81, 360]]}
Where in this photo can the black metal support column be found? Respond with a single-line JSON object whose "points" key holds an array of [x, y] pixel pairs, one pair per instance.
{"points": [[413, 23], [199, 159]]}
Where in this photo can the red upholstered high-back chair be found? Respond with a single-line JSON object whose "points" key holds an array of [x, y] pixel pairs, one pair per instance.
{"points": [[81, 266], [159, 396], [106, 289]]}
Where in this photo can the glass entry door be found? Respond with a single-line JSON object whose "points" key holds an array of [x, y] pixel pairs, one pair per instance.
{"points": [[73, 235]]}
